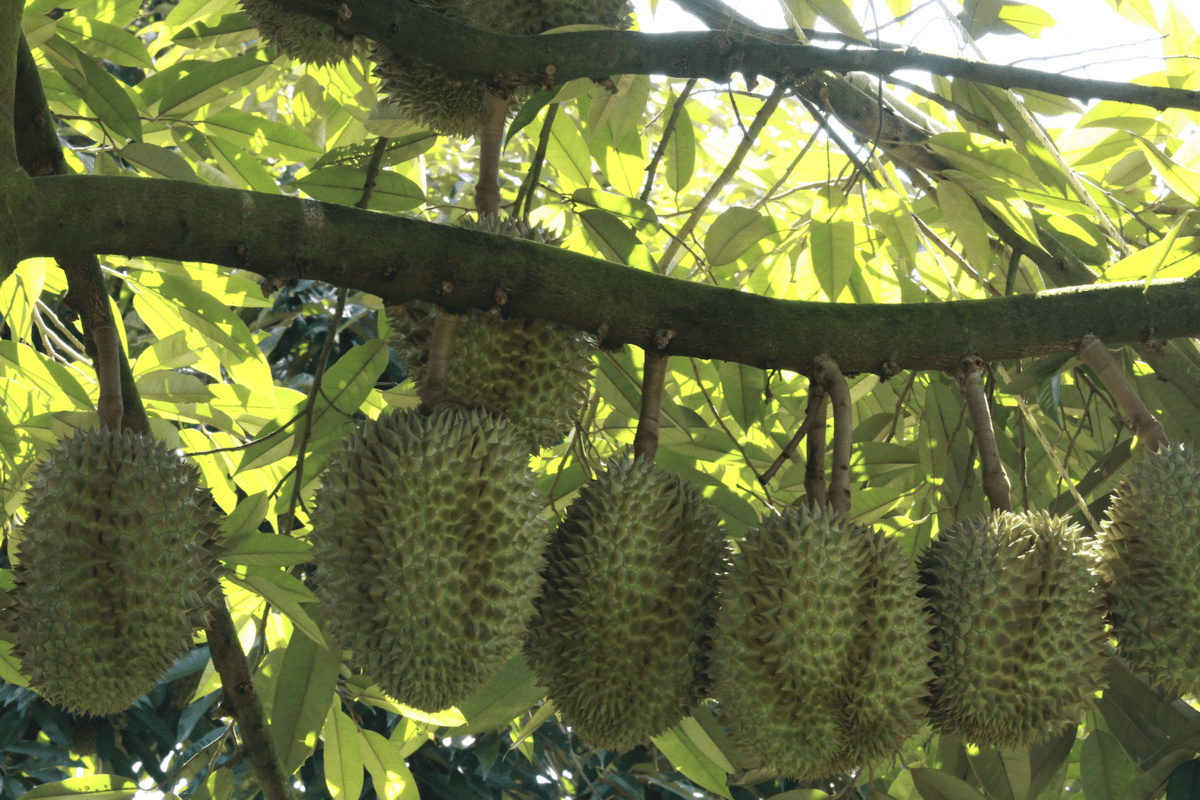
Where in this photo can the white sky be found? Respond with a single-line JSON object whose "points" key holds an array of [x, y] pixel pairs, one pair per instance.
{"points": [[1109, 46]]}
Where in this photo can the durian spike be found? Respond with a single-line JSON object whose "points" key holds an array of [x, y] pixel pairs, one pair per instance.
{"points": [[1144, 424], [491, 140], [814, 468], [654, 377], [111, 405], [829, 376], [995, 481]]}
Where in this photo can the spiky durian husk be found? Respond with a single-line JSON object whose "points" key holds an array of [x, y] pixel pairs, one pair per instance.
{"points": [[118, 567], [820, 657], [1151, 541], [449, 104], [620, 637], [429, 542], [537, 372], [300, 36], [1018, 631]]}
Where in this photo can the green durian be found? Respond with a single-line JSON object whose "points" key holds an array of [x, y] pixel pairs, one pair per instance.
{"points": [[445, 103], [1151, 541], [820, 656], [118, 566], [300, 36], [620, 636], [428, 539], [1018, 629], [537, 372]]}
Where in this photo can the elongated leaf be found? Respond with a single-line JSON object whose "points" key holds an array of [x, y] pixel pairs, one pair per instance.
{"points": [[831, 248], [743, 388], [529, 112], [616, 240], [242, 169], [689, 759], [963, 217], [158, 162], [637, 213], [1152, 781], [302, 695], [734, 232], [936, 784], [343, 757], [261, 136], [389, 773], [208, 82], [1105, 769], [10, 666], [94, 787], [104, 95], [567, 152], [1003, 774], [680, 159], [344, 185], [266, 550], [276, 590], [48, 376], [511, 693]]}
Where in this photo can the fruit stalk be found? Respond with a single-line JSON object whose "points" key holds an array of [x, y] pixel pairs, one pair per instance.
{"points": [[654, 376], [1145, 425], [814, 468], [491, 140], [995, 481], [829, 376], [111, 406]]}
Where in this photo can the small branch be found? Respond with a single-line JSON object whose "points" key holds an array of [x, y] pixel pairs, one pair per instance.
{"points": [[668, 129], [790, 447], [735, 163], [995, 481], [829, 376], [108, 373], [814, 469], [654, 376], [491, 141], [525, 195], [1145, 425], [242, 700]]}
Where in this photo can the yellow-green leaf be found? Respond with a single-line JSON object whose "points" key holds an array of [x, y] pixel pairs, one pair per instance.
{"points": [[689, 759], [343, 756], [388, 771], [344, 185], [303, 690], [94, 787]]}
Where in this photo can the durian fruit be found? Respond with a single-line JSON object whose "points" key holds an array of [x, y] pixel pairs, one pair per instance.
{"points": [[429, 545], [620, 636], [449, 104], [820, 656], [537, 372], [1151, 541], [1018, 630], [300, 36], [118, 567]]}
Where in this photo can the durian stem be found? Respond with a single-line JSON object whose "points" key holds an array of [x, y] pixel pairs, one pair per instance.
{"points": [[654, 377], [1145, 425], [829, 376], [491, 139], [814, 469], [995, 481], [242, 700], [108, 372]]}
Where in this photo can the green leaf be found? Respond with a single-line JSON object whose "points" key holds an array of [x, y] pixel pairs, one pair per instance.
{"points": [[831, 247], [267, 550], [1104, 768], [529, 112], [389, 773], [689, 759], [284, 592], [104, 95], [836, 12], [1003, 774], [51, 378], [242, 169], [1151, 782], [105, 41], [984, 158], [210, 81], [734, 232], [19, 293], [1185, 781], [246, 518], [159, 162], [303, 689], [679, 160], [568, 153], [344, 185], [1047, 759], [95, 787], [10, 666], [1163, 248], [637, 213], [961, 216], [935, 784], [199, 309], [511, 693], [261, 136], [1181, 180], [228, 31], [616, 240], [343, 757], [743, 388]]}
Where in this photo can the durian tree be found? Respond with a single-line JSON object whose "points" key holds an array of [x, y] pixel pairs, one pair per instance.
{"points": [[483, 398]]}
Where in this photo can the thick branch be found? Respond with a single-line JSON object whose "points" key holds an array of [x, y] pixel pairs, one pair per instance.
{"points": [[403, 259], [409, 28]]}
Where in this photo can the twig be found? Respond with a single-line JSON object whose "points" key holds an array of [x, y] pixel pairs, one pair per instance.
{"points": [[790, 447], [995, 481], [735, 163], [525, 195]]}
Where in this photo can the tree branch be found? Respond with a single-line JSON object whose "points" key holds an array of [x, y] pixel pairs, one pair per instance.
{"points": [[403, 259], [509, 61]]}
